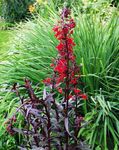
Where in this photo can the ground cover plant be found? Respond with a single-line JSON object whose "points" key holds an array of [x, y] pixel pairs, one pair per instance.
{"points": [[49, 124]]}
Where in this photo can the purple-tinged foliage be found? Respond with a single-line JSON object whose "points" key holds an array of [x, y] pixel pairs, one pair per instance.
{"points": [[45, 122]]}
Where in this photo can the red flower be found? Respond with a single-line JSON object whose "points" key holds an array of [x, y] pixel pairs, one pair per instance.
{"points": [[47, 81], [83, 96], [61, 66], [60, 78], [70, 41], [72, 57], [72, 24], [70, 97], [60, 90], [60, 69], [59, 35], [76, 91], [52, 65], [56, 28], [65, 30], [60, 47], [74, 81]]}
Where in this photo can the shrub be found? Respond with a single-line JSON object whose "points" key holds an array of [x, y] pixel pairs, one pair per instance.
{"points": [[0, 8], [15, 10], [103, 118]]}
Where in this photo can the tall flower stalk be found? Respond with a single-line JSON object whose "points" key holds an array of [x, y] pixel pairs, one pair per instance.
{"points": [[66, 78], [66, 73]]}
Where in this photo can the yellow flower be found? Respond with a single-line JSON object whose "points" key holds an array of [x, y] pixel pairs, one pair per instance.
{"points": [[31, 8]]}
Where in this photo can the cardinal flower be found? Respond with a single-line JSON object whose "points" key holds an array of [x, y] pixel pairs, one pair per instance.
{"points": [[67, 72]]}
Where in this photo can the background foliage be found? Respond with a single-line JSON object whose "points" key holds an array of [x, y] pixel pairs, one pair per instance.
{"points": [[15, 10]]}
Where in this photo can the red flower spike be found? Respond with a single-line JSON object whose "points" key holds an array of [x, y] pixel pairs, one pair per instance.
{"points": [[65, 68]]}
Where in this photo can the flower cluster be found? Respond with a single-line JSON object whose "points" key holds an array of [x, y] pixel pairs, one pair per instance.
{"points": [[65, 69], [31, 8]]}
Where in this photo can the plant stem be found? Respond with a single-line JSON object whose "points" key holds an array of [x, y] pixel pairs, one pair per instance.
{"points": [[67, 88], [76, 113], [48, 127]]}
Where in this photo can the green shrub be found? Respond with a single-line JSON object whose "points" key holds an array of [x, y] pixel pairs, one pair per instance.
{"points": [[15, 10], [98, 45], [0, 7], [102, 130]]}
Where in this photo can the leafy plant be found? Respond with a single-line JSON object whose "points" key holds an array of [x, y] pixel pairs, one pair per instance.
{"points": [[98, 54], [103, 118], [47, 123], [96, 41], [0, 7], [17, 12]]}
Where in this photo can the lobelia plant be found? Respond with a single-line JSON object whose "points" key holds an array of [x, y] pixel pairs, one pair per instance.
{"points": [[49, 124]]}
